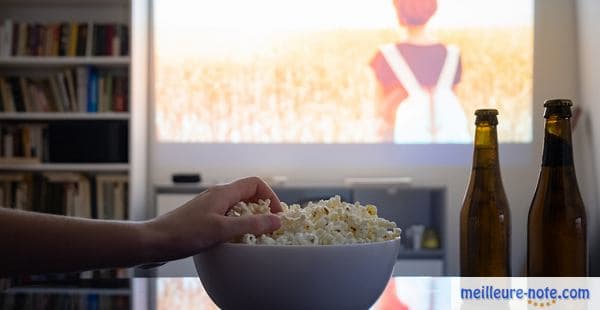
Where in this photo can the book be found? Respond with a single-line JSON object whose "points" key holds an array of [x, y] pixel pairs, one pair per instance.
{"points": [[117, 39], [92, 92], [124, 40], [21, 143], [78, 89], [6, 38], [54, 46], [82, 75], [30, 44], [72, 92], [73, 35], [108, 93], [65, 36], [22, 36], [108, 38], [62, 90], [41, 33], [101, 95], [17, 94], [27, 101], [7, 98], [1, 101], [119, 94], [57, 99], [63, 39], [110, 196], [82, 33]]}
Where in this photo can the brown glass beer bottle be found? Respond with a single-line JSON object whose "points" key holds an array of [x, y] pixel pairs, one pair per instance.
{"points": [[556, 228], [485, 215]]}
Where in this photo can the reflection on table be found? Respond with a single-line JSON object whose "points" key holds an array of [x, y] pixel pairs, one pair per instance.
{"points": [[401, 293]]}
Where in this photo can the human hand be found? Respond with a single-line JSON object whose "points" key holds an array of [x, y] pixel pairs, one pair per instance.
{"points": [[201, 222]]}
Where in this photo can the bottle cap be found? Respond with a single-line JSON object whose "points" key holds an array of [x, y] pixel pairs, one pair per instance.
{"points": [[486, 116], [558, 107], [558, 103], [485, 112]]}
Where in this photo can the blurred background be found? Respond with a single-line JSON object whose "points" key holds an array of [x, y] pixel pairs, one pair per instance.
{"points": [[102, 102]]}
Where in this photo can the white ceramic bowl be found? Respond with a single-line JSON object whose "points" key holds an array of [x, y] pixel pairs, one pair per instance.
{"points": [[241, 276]]}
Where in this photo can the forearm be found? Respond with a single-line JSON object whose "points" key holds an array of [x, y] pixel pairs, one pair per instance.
{"points": [[41, 243], [33, 243]]}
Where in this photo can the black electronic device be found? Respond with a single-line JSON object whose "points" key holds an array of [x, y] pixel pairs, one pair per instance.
{"points": [[186, 178]]}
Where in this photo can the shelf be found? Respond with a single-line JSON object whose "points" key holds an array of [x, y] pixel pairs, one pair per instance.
{"points": [[21, 61], [63, 116], [69, 291], [65, 167], [63, 2]]}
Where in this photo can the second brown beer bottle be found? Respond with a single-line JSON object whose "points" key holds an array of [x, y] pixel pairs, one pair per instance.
{"points": [[556, 228], [485, 216]]}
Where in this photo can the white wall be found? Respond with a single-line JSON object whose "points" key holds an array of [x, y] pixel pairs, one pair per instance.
{"points": [[588, 12], [555, 75]]}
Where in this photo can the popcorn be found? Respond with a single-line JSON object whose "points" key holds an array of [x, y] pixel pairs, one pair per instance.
{"points": [[323, 223]]}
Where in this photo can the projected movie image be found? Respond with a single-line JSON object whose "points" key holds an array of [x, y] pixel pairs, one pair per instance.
{"points": [[341, 71]]}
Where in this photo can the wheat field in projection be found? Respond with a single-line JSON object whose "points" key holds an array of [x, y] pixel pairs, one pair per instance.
{"points": [[317, 87]]}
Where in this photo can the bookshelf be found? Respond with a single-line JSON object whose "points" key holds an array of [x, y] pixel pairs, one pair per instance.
{"points": [[66, 167], [49, 61], [69, 291], [47, 116], [105, 20]]}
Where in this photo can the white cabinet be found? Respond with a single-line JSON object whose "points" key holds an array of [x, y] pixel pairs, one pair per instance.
{"points": [[419, 267], [182, 267]]}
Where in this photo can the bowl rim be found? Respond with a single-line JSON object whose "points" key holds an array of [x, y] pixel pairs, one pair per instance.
{"points": [[290, 246]]}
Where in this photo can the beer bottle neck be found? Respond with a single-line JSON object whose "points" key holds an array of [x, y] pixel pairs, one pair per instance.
{"points": [[558, 149], [486, 147]]}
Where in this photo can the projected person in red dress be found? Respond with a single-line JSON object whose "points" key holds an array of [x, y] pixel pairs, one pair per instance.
{"points": [[416, 79]]}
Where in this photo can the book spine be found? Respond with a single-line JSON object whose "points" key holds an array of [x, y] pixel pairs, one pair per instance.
{"points": [[1, 98], [92, 105], [82, 33], [63, 47], [82, 87], [108, 39], [17, 94], [7, 42], [89, 48], [41, 47], [108, 88], [124, 40], [56, 30], [33, 95], [9, 102], [54, 89], [17, 142], [70, 83], [62, 88], [42, 97], [26, 142], [96, 51], [73, 35], [6, 101], [116, 41], [27, 101], [119, 98], [8, 143], [30, 48], [49, 36], [15, 40], [22, 44]]}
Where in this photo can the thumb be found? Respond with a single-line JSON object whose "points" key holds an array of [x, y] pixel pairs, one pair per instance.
{"points": [[251, 224]]}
